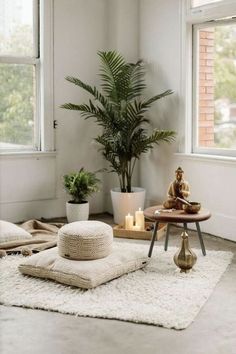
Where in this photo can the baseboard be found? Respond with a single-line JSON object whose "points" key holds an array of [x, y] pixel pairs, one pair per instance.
{"points": [[220, 225], [21, 211], [46, 209]]}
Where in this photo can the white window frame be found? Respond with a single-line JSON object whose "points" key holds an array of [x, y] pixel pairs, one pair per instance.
{"points": [[43, 60], [202, 16], [209, 12], [46, 79]]}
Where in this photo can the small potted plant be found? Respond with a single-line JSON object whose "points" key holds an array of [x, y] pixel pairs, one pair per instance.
{"points": [[80, 185]]}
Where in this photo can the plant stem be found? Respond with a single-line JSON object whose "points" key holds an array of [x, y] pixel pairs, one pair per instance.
{"points": [[129, 190], [123, 189], [132, 170], [120, 181]]}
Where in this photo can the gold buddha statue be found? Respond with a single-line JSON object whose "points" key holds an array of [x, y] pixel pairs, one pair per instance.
{"points": [[179, 188]]}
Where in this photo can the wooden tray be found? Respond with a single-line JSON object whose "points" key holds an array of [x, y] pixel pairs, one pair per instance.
{"points": [[119, 231]]}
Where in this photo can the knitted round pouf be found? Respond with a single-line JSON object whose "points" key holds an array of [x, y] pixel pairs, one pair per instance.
{"points": [[83, 240]]}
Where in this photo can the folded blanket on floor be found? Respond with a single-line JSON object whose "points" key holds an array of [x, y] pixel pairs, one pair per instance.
{"points": [[44, 236]]}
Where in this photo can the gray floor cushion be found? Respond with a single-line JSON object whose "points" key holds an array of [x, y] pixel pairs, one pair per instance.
{"points": [[84, 274]]}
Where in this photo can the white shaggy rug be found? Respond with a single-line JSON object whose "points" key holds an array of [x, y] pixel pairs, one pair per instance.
{"points": [[158, 294]]}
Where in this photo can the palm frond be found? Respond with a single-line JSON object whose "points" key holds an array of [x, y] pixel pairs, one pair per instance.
{"points": [[135, 115], [91, 111], [130, 82], [112, 64], [121, 80], [161, 135], [147, 104], [92, 90], [81, 84]]}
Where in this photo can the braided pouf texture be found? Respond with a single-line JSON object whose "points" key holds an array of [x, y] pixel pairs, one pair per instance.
{"points": [[84, 240]]}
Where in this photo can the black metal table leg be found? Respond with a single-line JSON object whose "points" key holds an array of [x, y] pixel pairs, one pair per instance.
{"points": [[201, 239], [185, 227], [167, 237], [154, 233]]}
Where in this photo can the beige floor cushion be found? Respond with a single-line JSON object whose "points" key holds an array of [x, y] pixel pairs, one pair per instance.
{"points": [[11, 232], [84, 274], [83, 240]]}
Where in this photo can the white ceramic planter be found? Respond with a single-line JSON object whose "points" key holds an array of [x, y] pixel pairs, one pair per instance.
{"points": [[124, 203], [77, 212]]}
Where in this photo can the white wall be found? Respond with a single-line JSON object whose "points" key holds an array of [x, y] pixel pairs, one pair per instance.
{"points": [[211, 180], [159, 47], [123, 27], [212, 183], [80, 31], [123, 36]]}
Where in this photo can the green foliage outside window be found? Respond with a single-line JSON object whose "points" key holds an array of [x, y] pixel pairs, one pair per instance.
{"points": [[225, 83], [17, 101]]}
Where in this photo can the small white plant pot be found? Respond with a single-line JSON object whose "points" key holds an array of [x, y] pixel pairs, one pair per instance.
{"points": [[77, 212], [125, 203]]}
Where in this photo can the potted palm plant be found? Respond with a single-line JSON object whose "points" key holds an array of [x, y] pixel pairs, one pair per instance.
{"points": [[80, 185], [121, 111]]}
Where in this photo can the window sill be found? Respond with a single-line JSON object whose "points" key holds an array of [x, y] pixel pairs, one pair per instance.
{"points": [[27, 154], [208, 158]]}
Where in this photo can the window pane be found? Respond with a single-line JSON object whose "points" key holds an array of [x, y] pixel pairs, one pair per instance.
{"points": [[17, 106], [216, 76], [196, 3], [16, 27]]}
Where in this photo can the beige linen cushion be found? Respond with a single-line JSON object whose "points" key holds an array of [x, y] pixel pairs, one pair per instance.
{"points": [[84, 240], [83, 274], [11, 232]]}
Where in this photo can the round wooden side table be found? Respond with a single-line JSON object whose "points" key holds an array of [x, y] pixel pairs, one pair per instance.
{"points": [[176, 216]]}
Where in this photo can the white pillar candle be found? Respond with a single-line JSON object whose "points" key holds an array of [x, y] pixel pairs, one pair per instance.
{"points": [[129, 222], [139, 219], [136, 227]]}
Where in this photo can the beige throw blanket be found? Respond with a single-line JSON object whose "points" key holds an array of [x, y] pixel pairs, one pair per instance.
{"points": [[44, 237]]}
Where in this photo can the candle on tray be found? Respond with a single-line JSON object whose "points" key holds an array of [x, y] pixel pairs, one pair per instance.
{"points": [[129, 222], [136, 227], [139, 219]]}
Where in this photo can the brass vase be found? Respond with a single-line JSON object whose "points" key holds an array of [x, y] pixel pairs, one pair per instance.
{"points": [[185, 258]]}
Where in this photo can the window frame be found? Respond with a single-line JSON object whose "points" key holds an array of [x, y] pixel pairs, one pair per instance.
{"points": [[209, 12], [194, 7], [192, 21], [42, 59]]}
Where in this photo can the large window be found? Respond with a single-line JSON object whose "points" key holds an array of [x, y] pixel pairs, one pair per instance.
{"points": [[26, 118], [19, 60], [213, 99], [215, 85]]}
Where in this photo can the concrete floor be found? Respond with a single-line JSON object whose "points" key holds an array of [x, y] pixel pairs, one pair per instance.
{"points": [[25, 331]]}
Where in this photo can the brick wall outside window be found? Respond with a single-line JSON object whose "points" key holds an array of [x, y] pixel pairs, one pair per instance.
{"points": [[206, 88]]}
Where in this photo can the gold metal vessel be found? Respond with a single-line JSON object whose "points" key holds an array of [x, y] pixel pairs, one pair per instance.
{"points": [[193, 208], [185, 258]]}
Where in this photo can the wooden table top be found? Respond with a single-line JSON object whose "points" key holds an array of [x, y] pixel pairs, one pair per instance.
{"points": [[178, 216]]}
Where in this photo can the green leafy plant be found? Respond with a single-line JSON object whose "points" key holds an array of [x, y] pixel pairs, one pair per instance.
{"points": [[80, 185], [121, 112]]}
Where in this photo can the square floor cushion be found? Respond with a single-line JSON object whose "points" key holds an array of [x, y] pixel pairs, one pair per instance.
{"points": [[83, 274], [11, 232]]}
